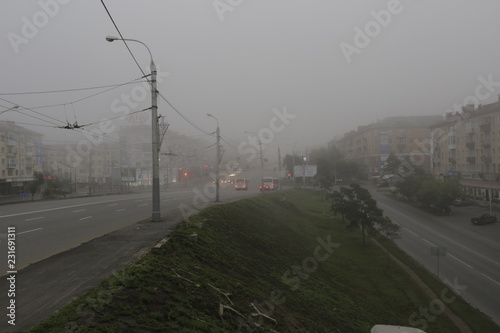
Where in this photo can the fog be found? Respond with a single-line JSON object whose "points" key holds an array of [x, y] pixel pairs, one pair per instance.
{"points": [[297, 72]]}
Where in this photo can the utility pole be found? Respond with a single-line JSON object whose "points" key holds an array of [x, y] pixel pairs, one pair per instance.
{"points": [[279, 167], [217, 159], [217, 164], [304, 170], [156, 216], [261, 161], [261, 166], [90, 173]]}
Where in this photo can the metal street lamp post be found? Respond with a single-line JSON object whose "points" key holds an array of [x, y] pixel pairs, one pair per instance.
{"points": [[217, 160], [156, 214], [261, 161], [293, 162]]}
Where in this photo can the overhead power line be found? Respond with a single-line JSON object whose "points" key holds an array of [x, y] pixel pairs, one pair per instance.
{"points": [[142, 71], [66, 90]]}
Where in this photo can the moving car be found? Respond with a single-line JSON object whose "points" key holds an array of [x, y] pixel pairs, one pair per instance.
{"points": [[269, 184], [483, 219], [241, 184]]}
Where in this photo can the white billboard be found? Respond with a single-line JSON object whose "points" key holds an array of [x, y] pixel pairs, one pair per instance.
{"points": [[308, 170]]}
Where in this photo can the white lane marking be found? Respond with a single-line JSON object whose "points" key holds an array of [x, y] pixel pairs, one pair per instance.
{"points": [[85, 218], [119, 210], [486, 276], [59, 208], [111, 205], [425, 240], [79, 210], [411, 232], [35, 218], [437, 233], [143, 205], [25, 232], [451, 255]]}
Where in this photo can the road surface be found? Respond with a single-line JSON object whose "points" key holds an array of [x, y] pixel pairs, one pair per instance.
{"points": [[472, 261]]}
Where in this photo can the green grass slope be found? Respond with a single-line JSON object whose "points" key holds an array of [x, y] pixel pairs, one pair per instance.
{"points": [[281, 254]]}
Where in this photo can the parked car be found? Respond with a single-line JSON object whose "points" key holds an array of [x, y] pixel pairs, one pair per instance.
{"points": [[383, 184], [462, 202], [483, 219]]}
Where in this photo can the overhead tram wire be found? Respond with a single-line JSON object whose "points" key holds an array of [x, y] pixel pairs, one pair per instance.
{"points": [[143, 73], [68, 90], [64, 104], [26, 108], [87, 97]]}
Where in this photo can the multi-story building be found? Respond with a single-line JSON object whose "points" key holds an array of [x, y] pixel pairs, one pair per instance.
{"points": [[20, 154], [467, 144], [98, 167], [177, 152], [406, 137]]}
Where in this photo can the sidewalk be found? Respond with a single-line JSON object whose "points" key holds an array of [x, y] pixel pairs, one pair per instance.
{"points": [[44, 287]]}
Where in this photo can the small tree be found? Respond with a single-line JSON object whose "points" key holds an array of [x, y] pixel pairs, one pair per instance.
{"points": [[357, 205], [392, 165], [339, 202], [388, 229], [35, 184], [325, 184]]}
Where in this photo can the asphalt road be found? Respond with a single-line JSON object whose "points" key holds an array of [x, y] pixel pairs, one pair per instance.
{"points": [[65, 247], [471, 265], [45, 228]]}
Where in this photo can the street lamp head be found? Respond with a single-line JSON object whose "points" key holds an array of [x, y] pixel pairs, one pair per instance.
{"points": [[111, 38], [208, 114]]}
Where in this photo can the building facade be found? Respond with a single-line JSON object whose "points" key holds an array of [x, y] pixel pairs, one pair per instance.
{"points": [[21, 156], [467, 144], [406, 137]]}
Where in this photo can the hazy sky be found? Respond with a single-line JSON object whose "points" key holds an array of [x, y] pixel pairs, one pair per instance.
{"points": [[324, 66]]}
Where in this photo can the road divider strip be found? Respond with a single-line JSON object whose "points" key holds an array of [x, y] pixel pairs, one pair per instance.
{"points": [[25, 232], [34, 218]]}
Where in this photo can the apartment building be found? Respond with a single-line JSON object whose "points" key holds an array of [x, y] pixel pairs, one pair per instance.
{"points": [[20, 154], [98, 165], [177, 152], [405, 136], [467, 144]]}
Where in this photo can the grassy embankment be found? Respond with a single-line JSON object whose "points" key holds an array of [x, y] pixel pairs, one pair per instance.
{"points": [[264, 251]]}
